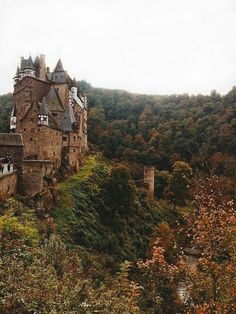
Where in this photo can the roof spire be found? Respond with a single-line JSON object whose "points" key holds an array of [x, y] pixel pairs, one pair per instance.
{"points": [[37, 61], [74, 82], [59, 67], [68, 119], [43, 108]]}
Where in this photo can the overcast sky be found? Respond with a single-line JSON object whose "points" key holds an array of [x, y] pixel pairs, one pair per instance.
{"points": [[143, 46]]}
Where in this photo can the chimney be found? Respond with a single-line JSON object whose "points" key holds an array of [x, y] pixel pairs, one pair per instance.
{"points": [[42, 68], [149, 181]]}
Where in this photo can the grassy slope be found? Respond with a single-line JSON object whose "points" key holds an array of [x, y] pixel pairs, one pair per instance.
{"points": [[78, 220], [76, 196]]}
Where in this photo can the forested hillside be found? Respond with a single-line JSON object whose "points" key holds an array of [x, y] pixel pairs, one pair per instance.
{"points": [[157, 130], [94, 244]]}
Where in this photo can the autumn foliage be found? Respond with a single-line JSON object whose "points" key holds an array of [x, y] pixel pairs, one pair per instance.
{"points": [[212, 280]]}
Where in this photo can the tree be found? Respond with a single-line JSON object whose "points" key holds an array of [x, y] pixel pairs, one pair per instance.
{"points": [[159, 280], [51, 279], [119, 191], [161, 182], [178, 182], [212, 281]]}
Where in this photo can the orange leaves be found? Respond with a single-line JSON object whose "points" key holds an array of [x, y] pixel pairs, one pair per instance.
{"points": [[212, 226]]}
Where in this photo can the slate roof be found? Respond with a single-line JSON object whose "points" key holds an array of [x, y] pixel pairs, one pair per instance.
{"points": [[11, 139], [59, 77], [59, 67], [43, 107], [74, 83], [69, 80], [68, 119], [27, 64], [52, 122], [53, 100], [30, 63], [37, 61]]}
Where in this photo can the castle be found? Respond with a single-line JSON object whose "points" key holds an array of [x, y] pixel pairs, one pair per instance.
{"points": [[48, 123]]}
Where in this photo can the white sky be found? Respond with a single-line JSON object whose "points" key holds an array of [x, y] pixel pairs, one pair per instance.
{"points": [[144, 46]]}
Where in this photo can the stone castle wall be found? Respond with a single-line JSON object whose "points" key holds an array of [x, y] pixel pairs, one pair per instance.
{"points": [[41, 142], [32, 177], [26, 92], [8, 183]]}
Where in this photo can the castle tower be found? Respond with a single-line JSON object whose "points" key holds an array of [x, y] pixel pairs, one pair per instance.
{"points": [[149, 181], [59, 78], [43, 113], [49, 113]]}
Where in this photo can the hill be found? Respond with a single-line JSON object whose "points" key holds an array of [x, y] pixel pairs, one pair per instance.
{"points": [[158, 130], [93, 242]]}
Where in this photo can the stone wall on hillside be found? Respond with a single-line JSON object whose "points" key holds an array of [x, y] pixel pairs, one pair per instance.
{"points": [[8, 183], [33, 174]]}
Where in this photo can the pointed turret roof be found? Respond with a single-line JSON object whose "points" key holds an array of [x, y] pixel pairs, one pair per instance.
{"points": [[22, 64], [27, 64], [30, 60], [37, 61], [53, 100], [43, 107], [59, 67], [30, 64], [74, 83], [68, 119]]}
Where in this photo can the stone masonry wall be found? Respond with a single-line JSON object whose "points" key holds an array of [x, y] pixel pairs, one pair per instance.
{"points": [[41, 142], [8, 183], [32, 178], [27, 91], [74, 150]]}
